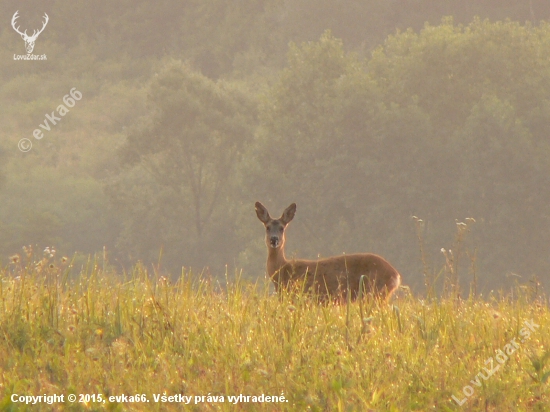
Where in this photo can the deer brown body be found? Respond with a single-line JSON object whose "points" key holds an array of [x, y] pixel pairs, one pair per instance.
{"points": [[329, 278]]}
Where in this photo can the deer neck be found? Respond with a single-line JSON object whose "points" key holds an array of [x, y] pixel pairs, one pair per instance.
{"points": [[275, 260]]}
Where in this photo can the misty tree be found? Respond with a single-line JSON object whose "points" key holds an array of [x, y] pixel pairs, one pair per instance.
{"points": [[190, 146], [310, 145], [446, 123], [485, 88]]}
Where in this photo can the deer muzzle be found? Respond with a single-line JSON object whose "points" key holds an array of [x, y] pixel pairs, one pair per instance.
{"points": [[274, 241]]}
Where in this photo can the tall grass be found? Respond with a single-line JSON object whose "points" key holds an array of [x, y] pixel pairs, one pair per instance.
{"points": [[139, 333]]}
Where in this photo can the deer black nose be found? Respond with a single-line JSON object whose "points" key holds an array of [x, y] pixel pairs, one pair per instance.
{"points": [[274, 240]]}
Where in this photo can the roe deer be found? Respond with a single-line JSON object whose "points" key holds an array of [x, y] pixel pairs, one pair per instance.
{"points": [[329, 278]]}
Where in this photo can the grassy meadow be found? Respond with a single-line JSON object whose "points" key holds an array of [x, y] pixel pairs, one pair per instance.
{"points": [[104, 334]]}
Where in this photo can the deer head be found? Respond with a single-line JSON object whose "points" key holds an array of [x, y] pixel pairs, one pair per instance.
{"points": [[275, 228], [29, 40]]}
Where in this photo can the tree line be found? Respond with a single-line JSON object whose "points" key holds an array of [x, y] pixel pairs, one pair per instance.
{"points": [[164, 157]]}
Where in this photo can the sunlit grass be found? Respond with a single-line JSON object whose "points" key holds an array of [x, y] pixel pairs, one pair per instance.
{"points": [[139, 333]]}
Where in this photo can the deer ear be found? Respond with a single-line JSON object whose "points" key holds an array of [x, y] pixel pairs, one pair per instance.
{"points": [[262, 213], [288, 214]]}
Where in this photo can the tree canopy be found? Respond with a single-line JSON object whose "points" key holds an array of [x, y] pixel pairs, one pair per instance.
{"points": [[435, 124], [191, 146]]}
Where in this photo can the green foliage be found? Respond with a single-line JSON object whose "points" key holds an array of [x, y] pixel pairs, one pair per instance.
{"points": [[304, 143], [441, 123], [482, 86], [431, 124], [445, 122], [221, 37], [191, 146]]}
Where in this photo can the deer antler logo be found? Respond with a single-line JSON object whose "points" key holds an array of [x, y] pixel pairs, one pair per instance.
{"points": [[29, 40]]}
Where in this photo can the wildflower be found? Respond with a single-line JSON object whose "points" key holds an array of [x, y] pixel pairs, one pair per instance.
{"points": [[14, 259], [28, 251], [49, 252]]}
